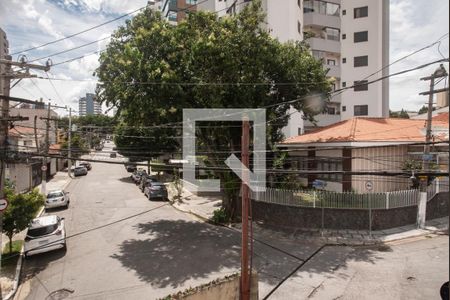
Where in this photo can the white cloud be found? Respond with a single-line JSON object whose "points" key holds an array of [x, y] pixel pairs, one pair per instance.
{"points": [[29, 23]]}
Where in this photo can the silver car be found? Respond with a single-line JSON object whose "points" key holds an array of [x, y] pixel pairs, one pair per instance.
{"points": [[80, 171], [57, 198], [45, 234]]}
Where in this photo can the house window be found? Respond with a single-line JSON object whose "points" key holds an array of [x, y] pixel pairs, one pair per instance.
{"points": [[344, 84], [344, 108], [331, 62], [299, 27], [360, 61], [331, 110], [326, 164], [361, 12], [344, 36], [300, 131], [362, 36], [360, 86], [344, 12], [299, 3], [191, 2], [360, 110], [344, 60]]}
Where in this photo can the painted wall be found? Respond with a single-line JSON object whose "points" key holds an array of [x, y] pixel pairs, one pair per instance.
{"points": [[379, 159], [377, 50]]}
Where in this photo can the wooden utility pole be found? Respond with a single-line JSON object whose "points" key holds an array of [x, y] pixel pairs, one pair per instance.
{"points": [[421, 212], [245, 276]]}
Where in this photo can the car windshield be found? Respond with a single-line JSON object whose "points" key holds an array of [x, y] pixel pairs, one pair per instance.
{"points": [[37, 232], [55, 194]]}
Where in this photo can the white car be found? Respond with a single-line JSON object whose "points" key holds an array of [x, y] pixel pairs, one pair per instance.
{"points": [[45, 234], [57, 198]]}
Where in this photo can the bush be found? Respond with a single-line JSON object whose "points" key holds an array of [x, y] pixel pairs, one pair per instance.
{"points": [[220, 216]]}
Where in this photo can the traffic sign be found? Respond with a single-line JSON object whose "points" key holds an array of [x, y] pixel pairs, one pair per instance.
{"points": [[44, 168], [3, 204], [369, 185]]}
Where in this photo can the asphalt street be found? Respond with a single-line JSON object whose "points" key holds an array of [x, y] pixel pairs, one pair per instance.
{"points": [[121, 245]]}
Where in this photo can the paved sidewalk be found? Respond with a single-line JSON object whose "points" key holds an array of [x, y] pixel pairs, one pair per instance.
{"points": [[203, 208], [59, 181]]}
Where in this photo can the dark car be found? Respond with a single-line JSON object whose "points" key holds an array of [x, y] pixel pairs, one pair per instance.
{"points": [[136, 176], [86, 165], [155, 190], [145, 180], [130, 168]]}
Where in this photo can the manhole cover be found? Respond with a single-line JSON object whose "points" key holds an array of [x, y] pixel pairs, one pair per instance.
{"points": [[59, 294]]}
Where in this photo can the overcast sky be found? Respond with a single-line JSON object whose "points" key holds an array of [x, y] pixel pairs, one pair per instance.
{"points": [[28, 23]]}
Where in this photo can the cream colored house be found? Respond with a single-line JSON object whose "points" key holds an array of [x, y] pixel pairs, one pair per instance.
{"points": [[363, 145]]}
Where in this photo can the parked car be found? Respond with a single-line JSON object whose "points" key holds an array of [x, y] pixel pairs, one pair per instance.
{"points": [[86, 165], [80, 171], [130, 168], [45, 234], [57, 198], [156, 190], [136, 176], [145, 180]]}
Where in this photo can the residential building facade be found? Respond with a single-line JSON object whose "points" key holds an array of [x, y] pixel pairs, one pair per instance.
{"points": [[364, 145], [176, 10], [89, 105], [351, 37]]}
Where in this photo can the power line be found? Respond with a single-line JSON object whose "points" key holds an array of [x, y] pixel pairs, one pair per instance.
{"points": [[69, 50], [80, 32]]}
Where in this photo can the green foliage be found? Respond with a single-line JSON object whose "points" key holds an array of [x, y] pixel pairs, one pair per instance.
{"points": [[412, 165], [79, 146], [220, 216], [204, 62], [403, 114], [21, 210], [423, 110]]}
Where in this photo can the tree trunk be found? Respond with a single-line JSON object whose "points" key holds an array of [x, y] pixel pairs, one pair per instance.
{"points": [[10, 244]]}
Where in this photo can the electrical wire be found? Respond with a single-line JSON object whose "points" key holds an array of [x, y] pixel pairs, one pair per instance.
{"points": [[78, 33]]}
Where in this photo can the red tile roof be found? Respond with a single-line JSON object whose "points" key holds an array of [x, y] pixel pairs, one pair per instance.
{"points": [[442, 117], [368, 130]]}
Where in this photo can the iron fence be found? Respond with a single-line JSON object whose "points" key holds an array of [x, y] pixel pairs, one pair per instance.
{"points": [[349, 200]]}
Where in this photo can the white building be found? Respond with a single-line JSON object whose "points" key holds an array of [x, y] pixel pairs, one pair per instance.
{"points": [[350, 36]]}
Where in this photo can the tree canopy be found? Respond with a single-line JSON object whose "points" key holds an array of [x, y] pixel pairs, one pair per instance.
{"points": [[152, 70]]}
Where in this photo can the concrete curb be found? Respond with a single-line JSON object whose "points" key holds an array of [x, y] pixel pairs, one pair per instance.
{"points": [[202, 218], [11, 294]]}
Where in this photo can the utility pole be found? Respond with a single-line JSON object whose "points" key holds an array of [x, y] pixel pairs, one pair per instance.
{"points": [[5, 84], [422, 208], [69, 138], [245, 276], [6, 74], [46, 148]]}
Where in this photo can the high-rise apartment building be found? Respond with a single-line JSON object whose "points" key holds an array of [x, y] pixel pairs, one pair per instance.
{"points": [[89, 105], [351, 37], [177, 10]]}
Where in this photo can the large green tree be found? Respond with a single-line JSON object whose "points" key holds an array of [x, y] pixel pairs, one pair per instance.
{"points": [[22, 208], [151, 70]]}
